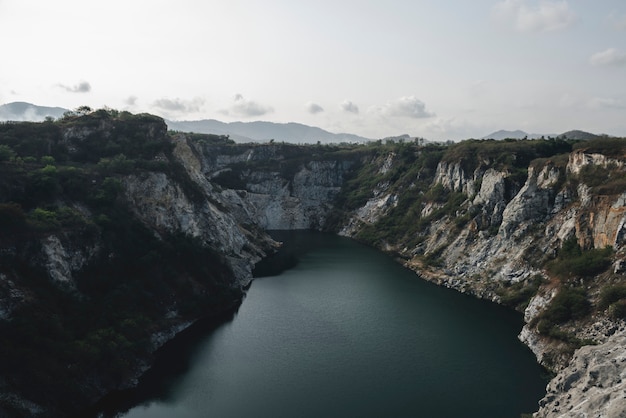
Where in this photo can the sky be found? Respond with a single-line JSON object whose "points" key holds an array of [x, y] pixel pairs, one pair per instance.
{"points": [[442, 70]]}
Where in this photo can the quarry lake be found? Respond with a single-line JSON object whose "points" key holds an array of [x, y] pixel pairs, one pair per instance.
{"points": [[336, 329]]}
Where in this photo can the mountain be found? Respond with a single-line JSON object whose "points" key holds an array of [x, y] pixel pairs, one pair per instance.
{"points": [[576, 134], [110, 246], [22, 111], [503, 134], [257, 131], [519, 134], [264, 131]]}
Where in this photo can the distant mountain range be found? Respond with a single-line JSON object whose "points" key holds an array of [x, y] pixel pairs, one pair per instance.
{"points": [[258, 131], [575, 134], [264, 131], [238, 131], [22, 111]]}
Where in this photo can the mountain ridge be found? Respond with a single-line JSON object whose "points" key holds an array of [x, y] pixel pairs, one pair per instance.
{"points": [[239, 131], [519, 134]]}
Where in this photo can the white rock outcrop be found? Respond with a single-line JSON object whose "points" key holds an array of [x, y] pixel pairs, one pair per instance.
{"points": [[592, 385]]}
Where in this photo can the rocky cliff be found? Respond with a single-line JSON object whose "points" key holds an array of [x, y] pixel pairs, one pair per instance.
{"points": [[544, 236], [109, 247], [109, 210]]}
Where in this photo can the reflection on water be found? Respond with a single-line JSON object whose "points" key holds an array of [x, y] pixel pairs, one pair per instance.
{"points": [[335, 329]]}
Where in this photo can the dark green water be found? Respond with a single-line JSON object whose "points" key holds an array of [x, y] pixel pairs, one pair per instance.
{"points": [[347, 332]]}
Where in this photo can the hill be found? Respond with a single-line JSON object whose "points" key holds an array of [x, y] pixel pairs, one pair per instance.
{"points": [[264, 131], [504, 134], [22, 111], [257, 131]]}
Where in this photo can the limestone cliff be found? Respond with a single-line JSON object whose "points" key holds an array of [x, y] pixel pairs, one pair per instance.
{"points": [[109, 247], [486, 232], [109, 210]]}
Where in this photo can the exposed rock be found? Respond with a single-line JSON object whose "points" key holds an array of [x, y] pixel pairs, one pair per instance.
{"points": [[453, 177], [532, 202], [593, 385], [579, 159]]}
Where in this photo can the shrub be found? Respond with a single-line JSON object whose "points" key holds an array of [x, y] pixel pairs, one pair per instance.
{"points": [[569, 304], [518, 295], [618, 309], [43, 219], [47, 160], [573, 261], [611, 294], [6, 153]]}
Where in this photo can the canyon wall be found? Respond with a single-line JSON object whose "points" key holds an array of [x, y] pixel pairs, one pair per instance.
{"points": [[534, 225]]}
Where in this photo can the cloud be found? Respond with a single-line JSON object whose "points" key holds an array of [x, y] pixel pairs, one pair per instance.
{"points": [[177, 105], [314, 108], [131, 100], [408, 107], [545, 17], [610, 57], [247, 108], [348, 106], [82, 87], [606, 103]]}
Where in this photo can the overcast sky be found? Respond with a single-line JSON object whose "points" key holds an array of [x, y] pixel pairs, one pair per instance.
{"points": [[446, 69]]}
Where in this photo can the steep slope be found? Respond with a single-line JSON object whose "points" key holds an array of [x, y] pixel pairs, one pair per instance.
{"points": [[108, 248], [115, 235], [531, 224]]}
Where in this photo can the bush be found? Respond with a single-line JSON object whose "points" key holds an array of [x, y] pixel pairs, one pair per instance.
{"points": [[518, 295], [569, 304], [573, 261], [6, 153], [618, 309], [43, 219], [611, 294]]}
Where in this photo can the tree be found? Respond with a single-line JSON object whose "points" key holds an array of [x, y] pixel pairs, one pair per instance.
{"points": [[6, 153], [83, 110]]}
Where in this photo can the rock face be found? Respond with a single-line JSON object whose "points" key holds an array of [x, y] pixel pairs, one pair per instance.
{"points": [[291, 192], [592, 385], [509, 228], [481, 231]]}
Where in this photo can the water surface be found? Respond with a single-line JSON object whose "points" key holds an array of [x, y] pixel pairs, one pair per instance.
{"points": [[347, 332]]}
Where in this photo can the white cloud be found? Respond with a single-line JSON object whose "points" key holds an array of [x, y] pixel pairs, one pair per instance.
{"points": [[246, 108], [131, 100], [82, 87], [606, 103], [348, 106], [407, 106], [608, 57], [544, 17], [178, 106], [314, 108]]}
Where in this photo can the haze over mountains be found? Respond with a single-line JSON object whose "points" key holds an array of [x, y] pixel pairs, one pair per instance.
{"points": [[259, 131], [518, 134]]}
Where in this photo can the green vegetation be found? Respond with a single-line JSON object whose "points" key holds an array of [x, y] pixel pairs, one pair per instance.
{"points": [[572, 261], [518, 295], [66, 178], [611, 147], [571, 303], [608, 180], [504, 155], [613, 298]]}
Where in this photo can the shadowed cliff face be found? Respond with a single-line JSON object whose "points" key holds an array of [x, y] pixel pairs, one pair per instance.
{"points": [[125, 215]]}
